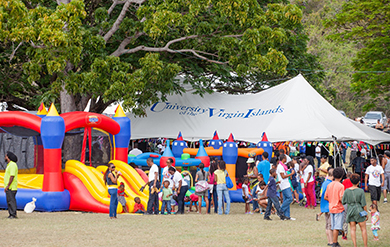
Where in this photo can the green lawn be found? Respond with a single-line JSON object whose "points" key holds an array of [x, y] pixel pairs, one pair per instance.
{"points": [[236, 229]]}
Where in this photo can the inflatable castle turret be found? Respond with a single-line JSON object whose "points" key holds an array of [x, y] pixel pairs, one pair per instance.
{"points": [[202, 155], [265, 145], [230, 155], [166, 155], [215, 143], [178, 146]]}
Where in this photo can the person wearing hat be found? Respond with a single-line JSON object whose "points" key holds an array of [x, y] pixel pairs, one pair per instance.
{"points": [[323, 169], [252, 172], [11, 183]]}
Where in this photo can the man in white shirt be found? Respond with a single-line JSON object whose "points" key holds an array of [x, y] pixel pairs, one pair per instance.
{"points": [[181, 187], [166, 175], [285, 186], [288, 158], [154, 186], [135, 151], [318, 155], [373, 174]]}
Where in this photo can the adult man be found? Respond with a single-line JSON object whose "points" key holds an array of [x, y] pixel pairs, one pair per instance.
{"points": [[264, 166], [334, 194], [386, 169], [166, 175], [373, 174], [11, 183], [325, 207], [285, 186], [318, 155], [154, 186], [323, 169], [135, 151], [358, 163], [288, 159]]}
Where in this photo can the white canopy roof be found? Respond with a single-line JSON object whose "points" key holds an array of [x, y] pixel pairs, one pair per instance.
{"points": [[291, 111]]}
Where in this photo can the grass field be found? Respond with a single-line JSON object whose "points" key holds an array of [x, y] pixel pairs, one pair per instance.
{"points": [[236, 229]]}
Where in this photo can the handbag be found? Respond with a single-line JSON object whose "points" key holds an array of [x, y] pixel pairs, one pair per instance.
{"points": [[201, 186], [229, 182], [362, 213]]}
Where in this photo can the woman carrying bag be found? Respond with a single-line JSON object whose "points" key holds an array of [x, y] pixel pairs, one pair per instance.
{"points": [[222, 189], [357, 209]]}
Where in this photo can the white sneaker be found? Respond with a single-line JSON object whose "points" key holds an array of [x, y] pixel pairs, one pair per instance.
{"points": [[385, 200], [292, 218]]}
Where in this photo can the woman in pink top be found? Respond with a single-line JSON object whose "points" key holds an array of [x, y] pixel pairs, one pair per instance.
{"points": [[212, 187]]}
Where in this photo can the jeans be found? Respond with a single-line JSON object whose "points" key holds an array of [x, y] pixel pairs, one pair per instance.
{"points": [[153, 201], [254, 196], [287, 199], [113, 201], [11, 202], [318, 161], [275, 202], [168, 204], [180, 199], [223, 190], [214, 195]]}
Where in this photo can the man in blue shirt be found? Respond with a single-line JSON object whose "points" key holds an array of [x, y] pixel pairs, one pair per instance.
{"points": [[325, 207], [264, 166]]}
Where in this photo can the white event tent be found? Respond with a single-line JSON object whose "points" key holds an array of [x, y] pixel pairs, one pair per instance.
{"points": [[291, 111]]}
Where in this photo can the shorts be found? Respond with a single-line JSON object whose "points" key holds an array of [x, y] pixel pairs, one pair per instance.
{"points": [[122, 201], [337, 221], [328, 222], [204, 193], [387, 181], [295, 187], [375, 192]]}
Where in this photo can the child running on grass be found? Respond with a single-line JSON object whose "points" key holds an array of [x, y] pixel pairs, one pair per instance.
{"points": [[375, 221], [121, 196], [246, 196]]}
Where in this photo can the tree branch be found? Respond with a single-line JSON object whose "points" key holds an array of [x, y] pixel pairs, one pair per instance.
{"points": [[120, 18], [37, 46], [125, 42], [14, 51], [114, 4]]}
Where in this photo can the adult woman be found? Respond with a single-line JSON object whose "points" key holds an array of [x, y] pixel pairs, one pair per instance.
{"points": [[181, 187], [212, 187], [201, 175], [111, 178], [220, 176], [356, 201], [252, 172]]}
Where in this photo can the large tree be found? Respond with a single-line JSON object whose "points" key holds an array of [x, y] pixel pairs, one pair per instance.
{"points": [[133, 50], [367, 23]]}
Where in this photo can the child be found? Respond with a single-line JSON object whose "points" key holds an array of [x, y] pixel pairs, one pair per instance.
{"points": [[375, 221], [272, 197], [246, 196], [138, 207], [166, 198], [121, 196], [293, 181], [261, 195], [193, 199]]}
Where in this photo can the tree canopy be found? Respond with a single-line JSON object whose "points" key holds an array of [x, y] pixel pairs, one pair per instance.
{"points": [[368, 24], [133, 50]]}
